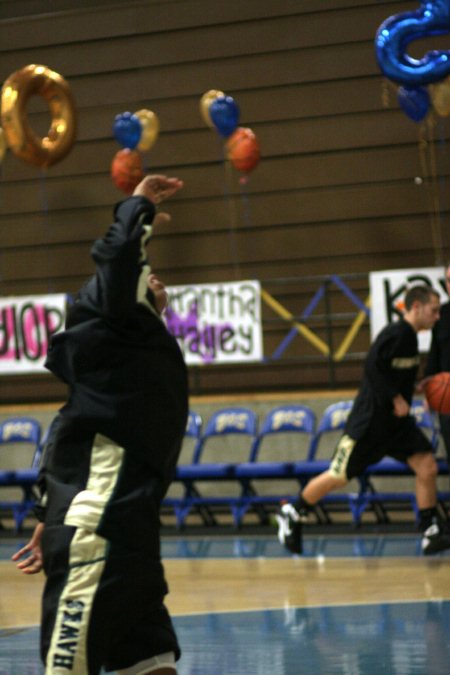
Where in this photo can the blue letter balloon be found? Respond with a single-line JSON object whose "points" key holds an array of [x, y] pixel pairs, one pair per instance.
{"points": [[127, 130], [414, 102], [396, 33], [224, 114]]}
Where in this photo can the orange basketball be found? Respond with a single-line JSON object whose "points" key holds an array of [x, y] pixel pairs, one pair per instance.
{"points": [[437, 391], [126, 170], [243, 149]]}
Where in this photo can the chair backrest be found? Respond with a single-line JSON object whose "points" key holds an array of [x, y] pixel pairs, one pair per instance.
{"points": [[22, 435], [286, 422], [41, 449], [192, 437], [193, 425], [333, 421], [228, 423]]}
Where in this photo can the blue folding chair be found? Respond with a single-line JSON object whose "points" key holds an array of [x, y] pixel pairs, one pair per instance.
{"points": [[283, 432], [334, 419], [192, 436], [226, 424], [19, 435]]}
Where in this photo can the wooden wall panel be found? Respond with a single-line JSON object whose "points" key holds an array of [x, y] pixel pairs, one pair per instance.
{"points": [[335, 192]]}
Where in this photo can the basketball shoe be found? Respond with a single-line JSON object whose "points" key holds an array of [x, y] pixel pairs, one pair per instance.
{"points": [[290, 528], [435, 539]]}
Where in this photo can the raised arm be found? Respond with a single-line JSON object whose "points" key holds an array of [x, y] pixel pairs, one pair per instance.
{"points": [[120, 256]]}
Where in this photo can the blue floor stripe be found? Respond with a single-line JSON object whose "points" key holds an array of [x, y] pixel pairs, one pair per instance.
{"points": [[386, 639]]}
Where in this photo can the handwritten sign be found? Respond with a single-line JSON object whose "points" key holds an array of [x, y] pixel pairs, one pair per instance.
{"points": [[26, 325], [216, 323], [387, 291]]}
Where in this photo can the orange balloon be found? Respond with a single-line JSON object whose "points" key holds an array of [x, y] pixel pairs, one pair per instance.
{"points": [[126, 170], [243, 149]]}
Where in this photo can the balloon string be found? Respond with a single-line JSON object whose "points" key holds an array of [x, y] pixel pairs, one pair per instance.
{"points": [[45, 211], [246, 202], [437, 233], [232, 215], [443, 157], [429, 169]]}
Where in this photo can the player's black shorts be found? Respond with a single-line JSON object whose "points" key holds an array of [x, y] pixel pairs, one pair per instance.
{"points": [[102, 605], [397, 438]]}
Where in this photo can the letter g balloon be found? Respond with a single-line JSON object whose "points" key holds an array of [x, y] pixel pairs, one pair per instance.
{"points": [[396, 33]]}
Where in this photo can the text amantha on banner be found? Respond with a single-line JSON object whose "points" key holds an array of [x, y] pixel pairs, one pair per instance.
{"points": [[217, 323]]}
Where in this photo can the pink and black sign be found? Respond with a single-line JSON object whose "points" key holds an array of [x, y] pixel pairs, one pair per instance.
{"points": [[26, 325]]}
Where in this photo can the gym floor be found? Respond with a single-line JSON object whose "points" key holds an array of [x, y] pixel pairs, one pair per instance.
{"points": [[353, 604]]}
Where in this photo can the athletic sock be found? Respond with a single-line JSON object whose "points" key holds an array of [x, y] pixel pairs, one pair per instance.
{"points": [[302, 506], [428, 517]]}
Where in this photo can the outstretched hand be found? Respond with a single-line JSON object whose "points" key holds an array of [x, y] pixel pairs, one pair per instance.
{"points": [[157, 188], [32, 563]]}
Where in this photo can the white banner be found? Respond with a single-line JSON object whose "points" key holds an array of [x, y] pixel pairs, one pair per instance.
{"points": [[387, 292], [26, 325], [216, 323]]}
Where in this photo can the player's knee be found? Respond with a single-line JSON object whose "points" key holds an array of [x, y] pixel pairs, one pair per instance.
{"points": [[425, 466], [336, 479]]}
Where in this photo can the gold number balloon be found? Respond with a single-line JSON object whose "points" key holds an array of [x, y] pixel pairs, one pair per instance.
{"points": [[150, 128], [205, 101], [2, 144], [35, 80]]}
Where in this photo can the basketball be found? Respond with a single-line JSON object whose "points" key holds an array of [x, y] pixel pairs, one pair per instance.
{"points": [[437, 391], [126, 170]]}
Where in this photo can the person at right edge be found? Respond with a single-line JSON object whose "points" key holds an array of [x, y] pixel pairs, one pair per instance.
{"points": [[439, 357], [380, 424]]}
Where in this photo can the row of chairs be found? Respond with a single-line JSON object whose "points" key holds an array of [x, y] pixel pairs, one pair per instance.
{"points": [[266, 457], [235, 464]]}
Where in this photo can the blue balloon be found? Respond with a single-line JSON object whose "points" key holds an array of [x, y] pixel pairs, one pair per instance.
{"points": [[127, 130], [224, 114], [397, 32], [414, 102]]}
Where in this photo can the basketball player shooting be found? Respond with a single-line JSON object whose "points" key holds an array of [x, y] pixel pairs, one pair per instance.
{"points": [[110, 458]]}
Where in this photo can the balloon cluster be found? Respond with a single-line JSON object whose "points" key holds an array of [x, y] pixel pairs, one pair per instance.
{"points": [[221, 112], [136, 132], [413, 75]]}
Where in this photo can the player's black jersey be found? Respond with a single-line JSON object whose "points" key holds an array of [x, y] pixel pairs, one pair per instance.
{"points": [[390, 369], [116, 442]]}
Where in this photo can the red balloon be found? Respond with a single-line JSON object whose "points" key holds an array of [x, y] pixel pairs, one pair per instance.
{"points": [[243, 149], [127, 170]]}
